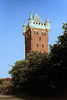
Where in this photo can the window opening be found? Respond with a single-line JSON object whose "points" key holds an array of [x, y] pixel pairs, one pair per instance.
{"points": [[39, 38], [42, 46], [44, 33], [37, 45], [36, 32]]}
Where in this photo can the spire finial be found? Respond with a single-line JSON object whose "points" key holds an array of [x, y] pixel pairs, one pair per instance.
{"points": [[24, 23], [30, 16], [47, 19]]}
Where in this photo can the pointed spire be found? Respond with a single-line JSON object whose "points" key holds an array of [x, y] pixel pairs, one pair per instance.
{"points": [[30, 16], [47, 19], [24, 23], [35, 13], [35, 10]]}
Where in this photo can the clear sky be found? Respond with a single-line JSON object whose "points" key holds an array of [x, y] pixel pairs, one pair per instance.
{"points": [[12, 16]]}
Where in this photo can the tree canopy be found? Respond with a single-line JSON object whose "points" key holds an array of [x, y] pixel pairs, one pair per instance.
{"points": [[43, 73], [29, 73]]}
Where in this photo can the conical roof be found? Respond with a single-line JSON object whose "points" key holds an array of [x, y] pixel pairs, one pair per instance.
{"points": [[37, 19], [24, 23], [47, 19], [30, 16]]}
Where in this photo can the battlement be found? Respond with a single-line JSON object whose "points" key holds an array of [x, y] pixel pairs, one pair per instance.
{"points": [[36, 22], [36, 34]]}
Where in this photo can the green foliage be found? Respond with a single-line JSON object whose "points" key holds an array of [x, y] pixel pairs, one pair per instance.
{"points": [[43, 73], [5, 85], [58, 54], [0, 81], [26, 73]]}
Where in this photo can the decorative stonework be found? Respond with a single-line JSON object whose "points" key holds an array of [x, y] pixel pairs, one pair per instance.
{"points": [[32, 41], [36, 22]]}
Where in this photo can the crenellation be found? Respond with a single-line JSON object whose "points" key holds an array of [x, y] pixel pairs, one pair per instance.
{"points": [[36, 34]]}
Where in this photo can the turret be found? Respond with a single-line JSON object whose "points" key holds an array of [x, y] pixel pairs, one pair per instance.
{"points": [[30, 16], [36, 34], [31, 21], [47, 24], [24, 28]]}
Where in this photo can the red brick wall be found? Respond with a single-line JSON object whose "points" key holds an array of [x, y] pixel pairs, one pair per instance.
{"points": [[27, 42], [35, 40], [32, 40]]}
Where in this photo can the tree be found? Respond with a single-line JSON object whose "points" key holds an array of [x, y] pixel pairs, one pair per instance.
{"points": [[38, 72], [0, 81], [27, 74], [42, 73], [58, 54], [18, 73]]}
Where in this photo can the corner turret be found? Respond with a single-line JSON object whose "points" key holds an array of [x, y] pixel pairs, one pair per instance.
{"points": [[47, 24], [24, 28], [36, 22], [31, 21], [30, 16]]}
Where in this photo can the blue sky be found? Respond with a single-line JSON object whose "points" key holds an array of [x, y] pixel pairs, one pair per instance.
{"points": [[12, 16]]}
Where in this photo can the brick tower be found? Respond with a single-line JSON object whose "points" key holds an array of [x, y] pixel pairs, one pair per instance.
{"points": [[36, 34]]}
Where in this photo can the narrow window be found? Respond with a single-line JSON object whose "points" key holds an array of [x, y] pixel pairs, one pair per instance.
{"points": [[36, 32], [44, 33], [40, 38], [42, 46], [37, 45]]}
